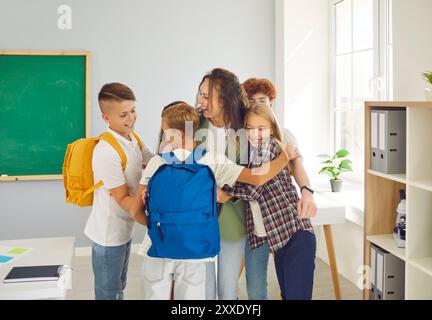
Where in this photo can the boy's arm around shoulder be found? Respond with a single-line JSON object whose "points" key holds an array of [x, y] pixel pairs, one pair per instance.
{"points": [[131, 204], [147, 154], [107, 166]]}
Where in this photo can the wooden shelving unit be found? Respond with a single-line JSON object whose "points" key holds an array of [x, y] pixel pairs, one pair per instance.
{"points": [[386, 242], [382, 197], [394, 177]]}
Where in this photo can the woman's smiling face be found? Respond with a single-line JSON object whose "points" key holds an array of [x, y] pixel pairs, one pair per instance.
{"points": [[212, 110]]}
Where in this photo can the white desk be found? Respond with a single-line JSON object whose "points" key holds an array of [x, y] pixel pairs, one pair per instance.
{"points": [[329, 212], [48, 251]]}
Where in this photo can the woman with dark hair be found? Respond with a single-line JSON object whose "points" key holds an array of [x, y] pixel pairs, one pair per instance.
{"points": [[222, 103]]}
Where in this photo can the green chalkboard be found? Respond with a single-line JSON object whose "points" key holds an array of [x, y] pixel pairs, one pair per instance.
{"points": [[42, 109]]}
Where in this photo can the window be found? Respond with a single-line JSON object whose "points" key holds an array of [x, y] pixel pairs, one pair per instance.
{"points": [[386, 47], [357, 66]]}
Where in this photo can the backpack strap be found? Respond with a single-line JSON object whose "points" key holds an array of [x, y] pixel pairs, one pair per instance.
{"points": [[109, 138], [138, 139], [90, 190], [196, 155], [204, 125], [170, 157]]}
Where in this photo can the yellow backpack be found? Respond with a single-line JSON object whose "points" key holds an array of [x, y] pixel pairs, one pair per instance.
{"points": [[77, 168]]}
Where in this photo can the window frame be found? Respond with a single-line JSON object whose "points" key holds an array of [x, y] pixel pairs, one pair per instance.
{"points": [[381, 82]]}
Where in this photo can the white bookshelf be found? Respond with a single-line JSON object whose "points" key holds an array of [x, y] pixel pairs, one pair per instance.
{"points": [[422, 264], [386, 242], [382, 197], [418, 284], [422, 184]]}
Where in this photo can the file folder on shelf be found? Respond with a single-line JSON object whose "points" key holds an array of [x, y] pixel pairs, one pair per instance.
{"points": [[388, 275], [374, 141], [372, 274], [388, 140]]}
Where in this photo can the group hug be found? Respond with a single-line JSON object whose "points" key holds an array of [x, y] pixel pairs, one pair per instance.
{"points": [[224, 190]]}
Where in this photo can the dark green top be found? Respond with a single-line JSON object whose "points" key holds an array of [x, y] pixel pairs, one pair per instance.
{"points": [[232, 214]]}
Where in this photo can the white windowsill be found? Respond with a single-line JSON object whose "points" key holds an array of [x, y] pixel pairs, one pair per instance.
{"points": [[351, 196]]}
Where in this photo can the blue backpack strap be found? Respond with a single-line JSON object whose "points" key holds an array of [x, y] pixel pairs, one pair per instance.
{"points": [[170, 157], [196, 155]]}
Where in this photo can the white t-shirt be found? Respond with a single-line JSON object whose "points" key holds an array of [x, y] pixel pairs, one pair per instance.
{"points": [[108, 224], [225, 172], [288, 137], [216, 139]]}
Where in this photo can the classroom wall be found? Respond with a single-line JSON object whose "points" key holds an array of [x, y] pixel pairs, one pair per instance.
{"points": [[412, 48], [160, 48], [302, 75]]}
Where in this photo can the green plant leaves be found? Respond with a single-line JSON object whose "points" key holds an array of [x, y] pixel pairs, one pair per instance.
{"points": [[333, 172], [325, 170], [327, 162], [342, 153], [345, 165], [330, 164], [428, 76]]}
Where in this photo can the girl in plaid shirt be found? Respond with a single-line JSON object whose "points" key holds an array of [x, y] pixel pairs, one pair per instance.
{"points": [[272, 215]]}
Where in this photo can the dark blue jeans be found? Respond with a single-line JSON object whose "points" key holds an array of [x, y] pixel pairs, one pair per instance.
{"points": [[110, 266], [295, 265]]}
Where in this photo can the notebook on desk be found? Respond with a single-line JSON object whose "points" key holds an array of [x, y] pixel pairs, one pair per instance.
{"points": [[34, 273]]}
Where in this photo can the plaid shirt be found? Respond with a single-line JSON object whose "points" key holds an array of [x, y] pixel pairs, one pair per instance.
{"points": [[277, 200]]}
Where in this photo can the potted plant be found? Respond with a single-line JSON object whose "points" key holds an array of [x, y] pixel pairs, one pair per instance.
{"points": [[334, 166], [428, 90]]}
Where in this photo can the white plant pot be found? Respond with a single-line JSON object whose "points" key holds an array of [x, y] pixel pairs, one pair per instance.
{"points": [[428, 93], [336, 185]]}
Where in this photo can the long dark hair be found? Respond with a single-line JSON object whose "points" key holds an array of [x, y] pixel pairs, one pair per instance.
{"points": [[232, 96]]}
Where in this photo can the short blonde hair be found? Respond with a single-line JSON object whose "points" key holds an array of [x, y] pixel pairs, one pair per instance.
{"points": [[176, 115]]}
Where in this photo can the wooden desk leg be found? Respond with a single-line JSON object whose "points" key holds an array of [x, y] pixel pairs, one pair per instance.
{"points": [[332, 260]]}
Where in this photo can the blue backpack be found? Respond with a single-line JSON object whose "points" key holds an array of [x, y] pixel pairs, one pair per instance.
{"points": [[182, 210]]}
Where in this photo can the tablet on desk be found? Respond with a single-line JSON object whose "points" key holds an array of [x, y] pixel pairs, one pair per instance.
{"points": [[34, 273]]}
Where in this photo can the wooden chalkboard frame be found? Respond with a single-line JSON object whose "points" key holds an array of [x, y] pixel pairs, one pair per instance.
{"points": [[86, 54]]}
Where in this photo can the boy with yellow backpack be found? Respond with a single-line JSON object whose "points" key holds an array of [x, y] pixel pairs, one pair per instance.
{"points": [[105, 172]]}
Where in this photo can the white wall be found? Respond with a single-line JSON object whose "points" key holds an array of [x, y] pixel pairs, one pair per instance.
{"points": [[302, 74], [160, 48], [303, 70], [412, 25]]}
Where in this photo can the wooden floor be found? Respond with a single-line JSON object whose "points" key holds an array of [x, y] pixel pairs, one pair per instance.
{"points": [[82, 284]]}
